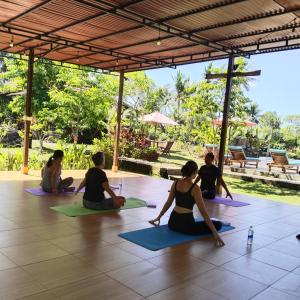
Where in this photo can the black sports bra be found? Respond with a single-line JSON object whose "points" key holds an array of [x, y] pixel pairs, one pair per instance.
{"points": [[184, 199]]}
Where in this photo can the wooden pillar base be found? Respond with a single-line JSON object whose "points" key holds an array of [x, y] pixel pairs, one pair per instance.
{"points": [[115, 168], [25, 170]]}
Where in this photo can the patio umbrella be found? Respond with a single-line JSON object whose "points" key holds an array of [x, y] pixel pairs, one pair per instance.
{"points": [[158, 118]]}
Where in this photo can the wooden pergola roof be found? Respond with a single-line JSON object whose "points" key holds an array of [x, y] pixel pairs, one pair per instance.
{"points": [[135, 35]]}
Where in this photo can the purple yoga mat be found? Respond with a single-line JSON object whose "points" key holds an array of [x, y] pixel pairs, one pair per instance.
{"points": [[228, 202], [40, 192]]}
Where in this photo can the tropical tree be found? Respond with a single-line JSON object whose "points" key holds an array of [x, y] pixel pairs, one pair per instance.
{"points": [[80, 103], [254, 111], [269, 128], [183, 89]]}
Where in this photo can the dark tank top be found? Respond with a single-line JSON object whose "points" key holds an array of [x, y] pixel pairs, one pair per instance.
{"points": [[184, 199]]}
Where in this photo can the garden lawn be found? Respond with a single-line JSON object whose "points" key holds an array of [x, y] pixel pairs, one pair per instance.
{"points": [[261, 190]]}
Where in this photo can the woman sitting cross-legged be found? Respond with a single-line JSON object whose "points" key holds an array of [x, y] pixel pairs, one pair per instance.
{"points": [[186, 194], [51, 179], [95, 183]]}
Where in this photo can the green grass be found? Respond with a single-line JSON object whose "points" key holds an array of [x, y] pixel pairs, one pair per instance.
{"points": [[261, 190]]}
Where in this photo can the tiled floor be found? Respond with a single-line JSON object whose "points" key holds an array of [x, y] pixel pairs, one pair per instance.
{"points": [[45, 255]]}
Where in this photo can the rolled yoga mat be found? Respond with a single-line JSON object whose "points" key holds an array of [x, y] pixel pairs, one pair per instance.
{"points": [[160, 237], [77, 209]]}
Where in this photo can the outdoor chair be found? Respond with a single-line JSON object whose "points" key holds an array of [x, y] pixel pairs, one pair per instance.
{"points": [[238, 155], [165, 150], [280, 160]]}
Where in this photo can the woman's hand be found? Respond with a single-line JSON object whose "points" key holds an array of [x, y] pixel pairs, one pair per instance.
{"points": [[218, 241], [229, 195], [155, 222]]}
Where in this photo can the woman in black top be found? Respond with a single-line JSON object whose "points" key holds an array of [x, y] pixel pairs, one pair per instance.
{"points": [[95, 183], [186, 194], [209, 174]]}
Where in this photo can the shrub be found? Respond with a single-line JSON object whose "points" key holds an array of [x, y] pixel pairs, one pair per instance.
{"points": [[75, 157], [105, 145]]}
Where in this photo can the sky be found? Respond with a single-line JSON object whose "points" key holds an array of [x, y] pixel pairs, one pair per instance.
{"points": [[277, 89]]}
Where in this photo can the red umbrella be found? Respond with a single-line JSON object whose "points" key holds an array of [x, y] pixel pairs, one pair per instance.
{"points": [[233, 121]]}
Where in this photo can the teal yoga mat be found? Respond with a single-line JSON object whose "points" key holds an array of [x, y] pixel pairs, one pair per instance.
{"points": [[160, 237], [77, 209]]}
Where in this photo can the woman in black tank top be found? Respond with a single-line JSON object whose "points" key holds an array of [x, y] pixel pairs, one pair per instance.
{"points": [[186, 195]]}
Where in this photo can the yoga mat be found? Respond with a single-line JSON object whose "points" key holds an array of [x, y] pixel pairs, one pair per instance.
{"points": [[160, 237], [77, 209], [228, 202], [39, 192]]}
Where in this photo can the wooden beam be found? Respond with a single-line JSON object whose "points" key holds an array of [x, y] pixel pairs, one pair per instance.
{"points": [[234, 74], [28, 111], [118, 125], [225, 113]]}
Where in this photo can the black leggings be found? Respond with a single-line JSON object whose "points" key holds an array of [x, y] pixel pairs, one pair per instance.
{"points": [[209, 194], [185, 223]]}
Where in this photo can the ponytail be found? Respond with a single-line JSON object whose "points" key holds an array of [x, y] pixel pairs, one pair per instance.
{"points": [[56, 154]]}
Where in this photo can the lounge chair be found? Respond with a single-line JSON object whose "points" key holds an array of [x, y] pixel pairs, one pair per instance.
{"points": [[165, 150], [280, 160], [238, 155]]}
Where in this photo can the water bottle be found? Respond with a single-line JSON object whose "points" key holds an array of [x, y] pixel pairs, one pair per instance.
{"points": [[120, 189], [250, 236]]}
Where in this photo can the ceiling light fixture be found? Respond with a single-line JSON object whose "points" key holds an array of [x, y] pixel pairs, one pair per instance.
{"points": [[158, 42], [11, 44]]}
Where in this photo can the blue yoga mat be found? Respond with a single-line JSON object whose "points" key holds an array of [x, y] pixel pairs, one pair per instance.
{"points": [[160, 237]]}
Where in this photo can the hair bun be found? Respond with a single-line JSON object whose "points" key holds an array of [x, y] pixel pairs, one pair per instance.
{"points": [[189, 168]]}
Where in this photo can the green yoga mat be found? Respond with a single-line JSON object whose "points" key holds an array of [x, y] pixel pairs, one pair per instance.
{"points": [[77, 209]]}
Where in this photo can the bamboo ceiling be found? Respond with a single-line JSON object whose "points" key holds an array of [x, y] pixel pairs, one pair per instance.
{"points": [[134, 35]]}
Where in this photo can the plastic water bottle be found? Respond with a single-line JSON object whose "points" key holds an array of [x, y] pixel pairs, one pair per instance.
{"points": [[250, 236], [120, 189]]}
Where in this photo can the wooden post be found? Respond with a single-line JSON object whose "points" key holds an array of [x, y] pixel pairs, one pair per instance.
{"points": [[225, 116], [118, 126], [28, 111]]}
